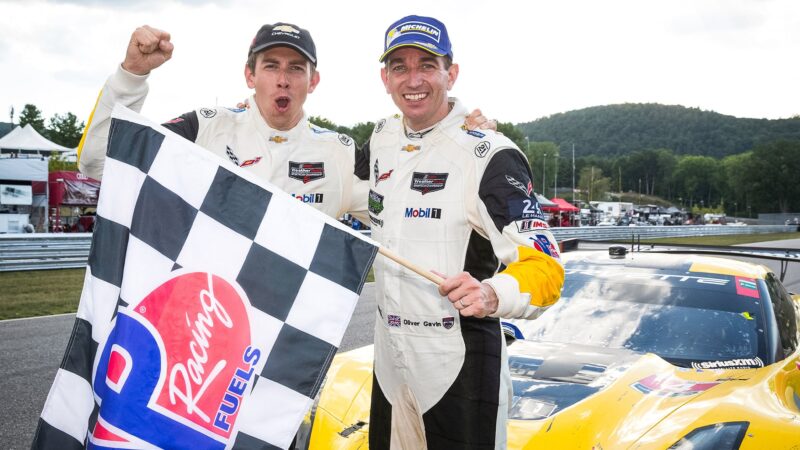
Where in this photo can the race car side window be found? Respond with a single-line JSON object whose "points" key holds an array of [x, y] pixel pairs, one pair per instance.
{"points": [[785, 314]]}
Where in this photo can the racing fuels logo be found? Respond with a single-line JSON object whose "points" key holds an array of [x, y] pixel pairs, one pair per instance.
{"points": [[375, 202], [306, 171], [309, 198], [743, 363], [181, 361], [483, 148], [424, 213], [426, 183], [380, 176], [542, 243]]}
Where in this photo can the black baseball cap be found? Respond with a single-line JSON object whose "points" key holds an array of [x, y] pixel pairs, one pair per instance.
{"points": [[286, 35]]}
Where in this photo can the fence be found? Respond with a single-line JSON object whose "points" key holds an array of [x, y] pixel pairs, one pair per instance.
{"points": [[65, 251]]}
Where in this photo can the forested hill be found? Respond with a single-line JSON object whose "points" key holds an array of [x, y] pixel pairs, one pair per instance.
{"points": [[621, 129]]}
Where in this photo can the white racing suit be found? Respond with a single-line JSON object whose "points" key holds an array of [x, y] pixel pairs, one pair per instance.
{"points": [[451, 200], [313, 164]]}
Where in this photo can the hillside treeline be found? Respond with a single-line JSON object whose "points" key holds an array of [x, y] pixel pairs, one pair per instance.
{"points": [[615, 130]]}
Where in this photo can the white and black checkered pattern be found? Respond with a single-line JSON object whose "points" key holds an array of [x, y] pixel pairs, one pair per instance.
{"points": [[166, 204]]}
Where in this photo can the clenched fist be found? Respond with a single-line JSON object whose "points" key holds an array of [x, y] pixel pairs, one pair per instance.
{"points": [[149, 48]]}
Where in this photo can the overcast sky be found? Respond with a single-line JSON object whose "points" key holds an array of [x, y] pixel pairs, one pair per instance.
{"points": [[520, 60]]}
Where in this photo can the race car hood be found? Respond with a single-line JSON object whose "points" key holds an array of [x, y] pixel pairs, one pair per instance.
{"points": [[596, 397]]}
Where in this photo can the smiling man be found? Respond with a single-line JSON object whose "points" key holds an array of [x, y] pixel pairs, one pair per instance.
{"points": [[460, 202], [273, 138]]}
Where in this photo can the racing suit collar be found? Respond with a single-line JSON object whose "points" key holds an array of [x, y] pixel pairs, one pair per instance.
{"points": [[456, 115]]}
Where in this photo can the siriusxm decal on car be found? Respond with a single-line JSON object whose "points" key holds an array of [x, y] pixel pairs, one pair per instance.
{"points": [[525, 209], [309, 198], [426, 183], [424, 213], [206, 366], [524, 226], [375, 202], [742, 363], [306, 171], [482, 149]]}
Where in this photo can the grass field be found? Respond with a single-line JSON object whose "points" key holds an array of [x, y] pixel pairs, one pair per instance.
{"points": [[46, 292], [39, 292]]}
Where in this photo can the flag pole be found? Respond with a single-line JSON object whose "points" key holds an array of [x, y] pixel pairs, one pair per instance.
{"points": [[435, 279]]}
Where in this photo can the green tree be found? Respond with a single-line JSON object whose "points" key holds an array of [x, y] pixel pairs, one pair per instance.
{"points": [[65, 130], [774, 169], [696, 179], [56, 163], [593, 184], [512, 132], [542, 157], [32, 115]]}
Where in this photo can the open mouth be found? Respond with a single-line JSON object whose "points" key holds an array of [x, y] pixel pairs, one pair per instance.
{"points": [[282, 103], [415, 97]]}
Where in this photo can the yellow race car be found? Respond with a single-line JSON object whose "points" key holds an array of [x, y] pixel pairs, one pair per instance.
{"points": [[645, 350]]}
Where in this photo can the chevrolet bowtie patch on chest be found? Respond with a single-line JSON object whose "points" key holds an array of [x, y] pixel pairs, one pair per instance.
{"points": [[278, 139], [410, 148]]}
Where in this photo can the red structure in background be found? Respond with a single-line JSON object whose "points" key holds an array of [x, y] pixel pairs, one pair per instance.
{"points": [[564, 213], [73, 189]]}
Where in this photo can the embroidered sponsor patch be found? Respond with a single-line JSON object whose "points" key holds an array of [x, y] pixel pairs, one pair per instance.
{"points": [[380, 176], [175, 120], [208, 112], [306, 171], [524, 209], [278, 139], [524, 226], [310, 197], [542, 243], [232, 156], [426, 183], [482, 149], [250, 162], [448, 322], [476, 133], [393, 320], [375, 202], [410, 148], [423, 213], [375, 221], [345, 139], [379, 126]]}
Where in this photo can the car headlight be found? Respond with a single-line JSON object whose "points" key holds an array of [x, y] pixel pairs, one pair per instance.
{"points": [[720, 436]]}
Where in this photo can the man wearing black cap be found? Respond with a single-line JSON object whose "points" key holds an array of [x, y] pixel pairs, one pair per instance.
{"points": [[272, 138], [460, 202]]}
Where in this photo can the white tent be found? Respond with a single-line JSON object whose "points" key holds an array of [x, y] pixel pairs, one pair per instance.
{"points": [[26, 139]]}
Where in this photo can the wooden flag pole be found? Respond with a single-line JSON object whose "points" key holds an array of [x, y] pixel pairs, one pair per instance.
{"points": [[436, 279]]}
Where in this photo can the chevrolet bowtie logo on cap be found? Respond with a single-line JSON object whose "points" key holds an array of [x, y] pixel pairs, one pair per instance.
{"points": [[278, 139]]}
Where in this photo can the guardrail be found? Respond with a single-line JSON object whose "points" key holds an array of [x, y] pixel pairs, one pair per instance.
{"points": [[65, 251]]}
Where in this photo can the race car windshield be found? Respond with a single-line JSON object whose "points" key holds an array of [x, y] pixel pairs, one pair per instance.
{"points": [[708, 320]]}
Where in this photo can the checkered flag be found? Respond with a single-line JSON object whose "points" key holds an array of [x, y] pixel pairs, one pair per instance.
{"points": [[212, 305]]}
